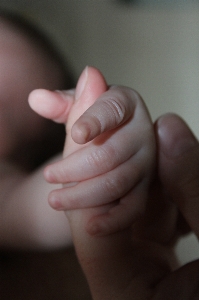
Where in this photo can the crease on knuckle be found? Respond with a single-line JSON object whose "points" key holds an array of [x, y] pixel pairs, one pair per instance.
{"points": [[115, 187], [115, 109], [101, 157], [94, 120]]}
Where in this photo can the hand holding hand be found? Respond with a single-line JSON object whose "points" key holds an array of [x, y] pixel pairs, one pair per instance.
{"points": [[113, 162]]}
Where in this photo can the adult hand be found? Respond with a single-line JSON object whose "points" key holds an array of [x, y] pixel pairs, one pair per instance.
{"points": [[140, 263]]}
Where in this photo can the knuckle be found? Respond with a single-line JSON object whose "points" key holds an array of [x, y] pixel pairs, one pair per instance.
{"points": [[96, 158], [115, 187], [102, 158], [115, 109], [127, 93]]}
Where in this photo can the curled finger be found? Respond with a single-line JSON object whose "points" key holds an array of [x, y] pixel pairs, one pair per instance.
{"points": [[111, 109]]}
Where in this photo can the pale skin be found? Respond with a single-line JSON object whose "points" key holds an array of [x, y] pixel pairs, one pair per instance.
{"points": [[110, 158], [139, 262], [27, 221], [129, 264]]}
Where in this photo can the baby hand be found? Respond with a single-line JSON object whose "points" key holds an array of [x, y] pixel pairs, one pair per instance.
{"points": [[112, 164]]}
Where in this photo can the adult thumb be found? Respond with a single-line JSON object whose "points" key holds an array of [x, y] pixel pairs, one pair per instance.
{"points": [[178, 151]]}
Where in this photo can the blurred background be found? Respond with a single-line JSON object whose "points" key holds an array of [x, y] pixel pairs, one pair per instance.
{"points": [[152, 46]]}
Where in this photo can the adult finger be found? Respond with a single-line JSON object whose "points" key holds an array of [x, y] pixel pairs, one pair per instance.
{"points": [[179, 166]]}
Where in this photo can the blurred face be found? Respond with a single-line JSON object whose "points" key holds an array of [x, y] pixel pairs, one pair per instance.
{"points": [[23, 68]]}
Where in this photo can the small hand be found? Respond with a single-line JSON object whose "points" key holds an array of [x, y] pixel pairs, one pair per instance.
{"points": [[115, 166]]}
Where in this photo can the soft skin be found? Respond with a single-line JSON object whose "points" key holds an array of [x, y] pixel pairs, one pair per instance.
{"points": [[110, 158], [139, 262]]}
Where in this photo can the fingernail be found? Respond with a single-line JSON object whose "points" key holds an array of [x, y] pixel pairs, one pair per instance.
{"points": [[81, 83], [175, 138]]}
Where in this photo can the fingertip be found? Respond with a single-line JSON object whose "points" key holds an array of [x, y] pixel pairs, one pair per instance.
{"points": [[54, 201], [174, 136], [80, 133], [48, 175], [86, 128]]}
